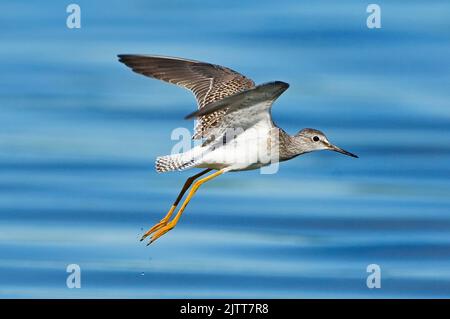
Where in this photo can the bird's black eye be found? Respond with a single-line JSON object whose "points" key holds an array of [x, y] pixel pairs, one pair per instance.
{"points": [[316, 138]]}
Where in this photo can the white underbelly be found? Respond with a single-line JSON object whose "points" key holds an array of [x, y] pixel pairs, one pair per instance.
{"points": [[249, 150]]}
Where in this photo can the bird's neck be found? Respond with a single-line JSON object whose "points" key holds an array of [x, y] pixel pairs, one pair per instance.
{"points": [[289, 146]]}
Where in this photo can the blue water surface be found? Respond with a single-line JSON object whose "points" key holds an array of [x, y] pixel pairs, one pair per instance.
{"points": [[79, 133]]}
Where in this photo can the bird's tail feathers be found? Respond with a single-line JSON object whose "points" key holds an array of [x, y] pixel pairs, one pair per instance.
{"points": [[176, 162]]}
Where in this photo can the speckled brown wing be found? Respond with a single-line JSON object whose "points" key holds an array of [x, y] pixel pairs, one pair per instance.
{"points": [[208, 82], [244, 110]]}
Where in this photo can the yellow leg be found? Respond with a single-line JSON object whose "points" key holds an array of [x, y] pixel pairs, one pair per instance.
{"points": [[166, 218], [173, 222]]}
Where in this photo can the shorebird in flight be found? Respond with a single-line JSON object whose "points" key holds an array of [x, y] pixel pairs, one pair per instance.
{"points": [[227, 101]]}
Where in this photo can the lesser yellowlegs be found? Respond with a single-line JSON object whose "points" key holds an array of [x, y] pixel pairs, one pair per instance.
{"points": [[227, 102]]}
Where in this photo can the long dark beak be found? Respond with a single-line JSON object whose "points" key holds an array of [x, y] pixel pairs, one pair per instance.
{"points": [[340, 150]]}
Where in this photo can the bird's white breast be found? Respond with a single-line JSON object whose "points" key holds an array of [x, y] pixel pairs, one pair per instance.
{"points": [[247, 150]]}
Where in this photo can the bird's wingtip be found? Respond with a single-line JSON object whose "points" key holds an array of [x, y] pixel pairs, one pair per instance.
{"points": [[123, 56], [282, 84], [190, 116]]}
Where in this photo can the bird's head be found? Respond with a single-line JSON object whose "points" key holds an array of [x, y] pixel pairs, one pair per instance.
{"points": [[309, 140]]}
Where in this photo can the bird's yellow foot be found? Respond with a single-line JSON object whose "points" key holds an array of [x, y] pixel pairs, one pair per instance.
{"points": [[157, 226], [164, 229], [163, 222]]}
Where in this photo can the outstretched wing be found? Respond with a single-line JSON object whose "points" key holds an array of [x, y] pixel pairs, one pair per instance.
{"points": [[244, 109], [208, 82]]}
